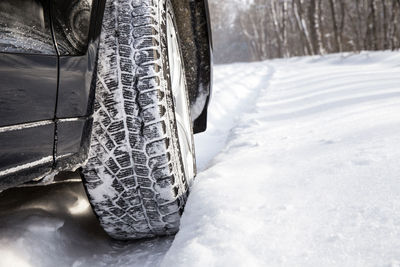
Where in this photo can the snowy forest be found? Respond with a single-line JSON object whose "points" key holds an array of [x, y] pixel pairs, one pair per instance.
{"points": [[266, 29]]}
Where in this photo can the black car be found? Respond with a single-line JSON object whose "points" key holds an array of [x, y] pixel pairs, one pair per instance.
{"points": [[114, 89]]}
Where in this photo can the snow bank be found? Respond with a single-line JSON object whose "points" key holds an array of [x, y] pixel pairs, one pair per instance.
{"points": [[309, 176]]}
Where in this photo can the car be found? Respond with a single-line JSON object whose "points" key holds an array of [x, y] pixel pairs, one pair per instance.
{"points": [[114, 89]]}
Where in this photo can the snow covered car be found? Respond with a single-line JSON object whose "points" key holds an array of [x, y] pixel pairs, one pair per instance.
{"points": [[114, 88]]}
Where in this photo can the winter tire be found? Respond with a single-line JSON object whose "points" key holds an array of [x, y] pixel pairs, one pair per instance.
{"points": [[141, 157]]}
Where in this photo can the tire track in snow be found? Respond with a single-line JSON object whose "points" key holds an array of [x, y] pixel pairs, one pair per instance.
{"points": [[234, 94], [54, 225]]}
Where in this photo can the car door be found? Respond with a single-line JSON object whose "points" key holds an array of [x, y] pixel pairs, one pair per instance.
{"points": [[28, 88]]}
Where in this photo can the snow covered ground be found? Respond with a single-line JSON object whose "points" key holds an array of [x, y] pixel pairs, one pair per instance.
{"points": [[299, 167]]}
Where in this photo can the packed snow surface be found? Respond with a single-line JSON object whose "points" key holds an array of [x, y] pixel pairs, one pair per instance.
{"points": [[299, 167]]}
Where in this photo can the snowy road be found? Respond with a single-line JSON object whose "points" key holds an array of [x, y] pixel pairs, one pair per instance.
{"points": [[299, 167]]}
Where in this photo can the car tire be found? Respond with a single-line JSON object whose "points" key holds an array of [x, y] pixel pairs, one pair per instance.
{"points": [[141, 157]]}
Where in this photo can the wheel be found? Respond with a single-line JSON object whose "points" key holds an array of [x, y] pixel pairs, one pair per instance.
{"points": [[141, 157]]}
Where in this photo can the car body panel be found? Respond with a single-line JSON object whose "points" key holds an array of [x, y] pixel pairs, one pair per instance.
{"points": [[48, 93], [45, 85], [76, 84], [77, 27], [69, 133], [28, 88], [72, 144], [26, 146]]}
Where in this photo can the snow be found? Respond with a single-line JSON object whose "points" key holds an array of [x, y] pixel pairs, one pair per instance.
{"points": [[299, 167], [308, 176]]}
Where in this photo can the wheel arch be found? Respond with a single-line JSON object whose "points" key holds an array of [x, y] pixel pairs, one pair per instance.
{"points": [[193, 22]]}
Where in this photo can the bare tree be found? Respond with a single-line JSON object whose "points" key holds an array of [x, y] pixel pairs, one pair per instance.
{"points": [[372, 34], [286, 52], [338, 43], [254, 26], [302, 26], [315, 29], [285, 28], [393, 26]]}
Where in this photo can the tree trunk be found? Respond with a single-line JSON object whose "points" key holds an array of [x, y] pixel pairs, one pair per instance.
{"points": [[335, 26], [285, 29], [355, 36], [277, 29], [318, 27], [299, 15], [315, 29], [394, 21], [372, 34], [342, 21], [385, 25]]}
